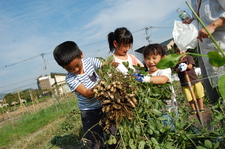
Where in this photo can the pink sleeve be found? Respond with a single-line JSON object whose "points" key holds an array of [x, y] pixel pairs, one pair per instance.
{"points": [[135, 61]]}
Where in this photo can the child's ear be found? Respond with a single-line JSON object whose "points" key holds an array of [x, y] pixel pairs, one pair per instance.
{"points": [[81, 55], [115, 44], [163, 56]]}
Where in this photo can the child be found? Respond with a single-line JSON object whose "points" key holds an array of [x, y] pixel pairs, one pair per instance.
{"points": [[120, 41], [153, 53], [81, 78], [187, 63]]}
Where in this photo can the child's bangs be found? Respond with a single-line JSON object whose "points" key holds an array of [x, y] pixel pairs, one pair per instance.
{"points": [[125, 41], [151, 52]]}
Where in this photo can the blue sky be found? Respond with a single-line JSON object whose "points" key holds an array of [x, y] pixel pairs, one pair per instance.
{"points": [[29, 29]]}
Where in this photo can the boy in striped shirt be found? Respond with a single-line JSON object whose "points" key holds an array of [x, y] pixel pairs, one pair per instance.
{"points": [[81, 78]]}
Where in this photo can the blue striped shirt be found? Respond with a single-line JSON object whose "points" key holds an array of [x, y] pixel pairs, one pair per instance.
{"points": [[88, 80]]}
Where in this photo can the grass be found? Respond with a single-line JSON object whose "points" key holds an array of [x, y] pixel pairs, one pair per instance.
{"points": [[54, 127], [31, 123]]}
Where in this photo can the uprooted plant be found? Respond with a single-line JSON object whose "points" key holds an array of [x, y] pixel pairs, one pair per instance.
{"points": [[118, 95]]}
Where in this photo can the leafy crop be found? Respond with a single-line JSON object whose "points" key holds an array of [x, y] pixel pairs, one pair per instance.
{"points": [[148, 124]]}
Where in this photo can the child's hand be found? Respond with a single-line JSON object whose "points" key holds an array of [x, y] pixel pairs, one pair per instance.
{"points": [[141, 78], [114, 64], [182, 67], [138, 77]]}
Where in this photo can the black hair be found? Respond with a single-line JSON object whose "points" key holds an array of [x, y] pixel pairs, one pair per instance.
{"points": [[65, 52], [174, 45], [121, 36], [154, 49]]}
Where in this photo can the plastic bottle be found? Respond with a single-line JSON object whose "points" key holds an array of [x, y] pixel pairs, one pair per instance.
{"points": [[182, 14]]}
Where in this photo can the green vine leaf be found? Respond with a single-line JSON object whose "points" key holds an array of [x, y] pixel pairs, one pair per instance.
{"points": [[221, 85], [141, 145], [216, 145], [131, 144], [154, 140], [208, 144], [109, 59], [216, 59], [200, 147], [169, 61]]}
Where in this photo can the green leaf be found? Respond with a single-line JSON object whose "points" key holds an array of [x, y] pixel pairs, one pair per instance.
{"points": [[109, 59], [141, 145], [162, 118], [169, 61], [126, 64], [221, 86], [208, 144], [150, 131], [216, 59], [154, 140], [157, 112], [131, 144], [137, 129], [216, 145], [200, 147]]}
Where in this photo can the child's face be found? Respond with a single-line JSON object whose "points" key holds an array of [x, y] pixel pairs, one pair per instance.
{"points": [[121, 49], [151, 61], [75, 67]]}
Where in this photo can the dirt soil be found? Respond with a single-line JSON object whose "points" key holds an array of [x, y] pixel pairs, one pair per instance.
{"points": [[203, 119]]}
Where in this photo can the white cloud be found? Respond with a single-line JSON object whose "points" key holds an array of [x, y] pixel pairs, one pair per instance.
{"points": [[30, 28]]}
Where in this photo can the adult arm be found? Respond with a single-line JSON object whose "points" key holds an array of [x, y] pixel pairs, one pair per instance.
{"points": [[211, 28]]}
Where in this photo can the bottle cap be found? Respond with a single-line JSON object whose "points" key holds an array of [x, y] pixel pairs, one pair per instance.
{"points": [[178, 10]]}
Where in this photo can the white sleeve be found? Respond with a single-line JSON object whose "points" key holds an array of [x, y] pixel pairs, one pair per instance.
{"points": [[166, 72], [122, 68]]}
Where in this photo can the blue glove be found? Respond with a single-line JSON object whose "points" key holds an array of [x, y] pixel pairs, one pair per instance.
{"points": [[182, 67], [141, 78], [138, 77]]}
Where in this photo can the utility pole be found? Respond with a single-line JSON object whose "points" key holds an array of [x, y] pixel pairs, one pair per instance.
{"points": [[46, 71], [147, 29], [45, 64], [147, 34]]}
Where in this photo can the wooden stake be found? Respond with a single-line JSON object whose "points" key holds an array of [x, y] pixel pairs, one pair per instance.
{"points": [[21, 103]]}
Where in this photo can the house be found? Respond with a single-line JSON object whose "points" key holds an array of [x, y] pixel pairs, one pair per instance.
{"points": [[45, 82], [60, 83], [168, 44], [53, 82]]}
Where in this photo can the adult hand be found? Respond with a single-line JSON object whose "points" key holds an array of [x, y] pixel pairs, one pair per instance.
{"points": [[203, 34], [188, 20], [182, 67]]}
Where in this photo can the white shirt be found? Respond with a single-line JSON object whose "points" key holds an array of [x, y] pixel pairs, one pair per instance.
{"points": [[164, 72], [88, 79], [129, 60], [209, 11]]}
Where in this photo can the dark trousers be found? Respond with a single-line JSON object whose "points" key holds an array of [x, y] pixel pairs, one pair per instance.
{"points": [[94, 132], [212, 93]]}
